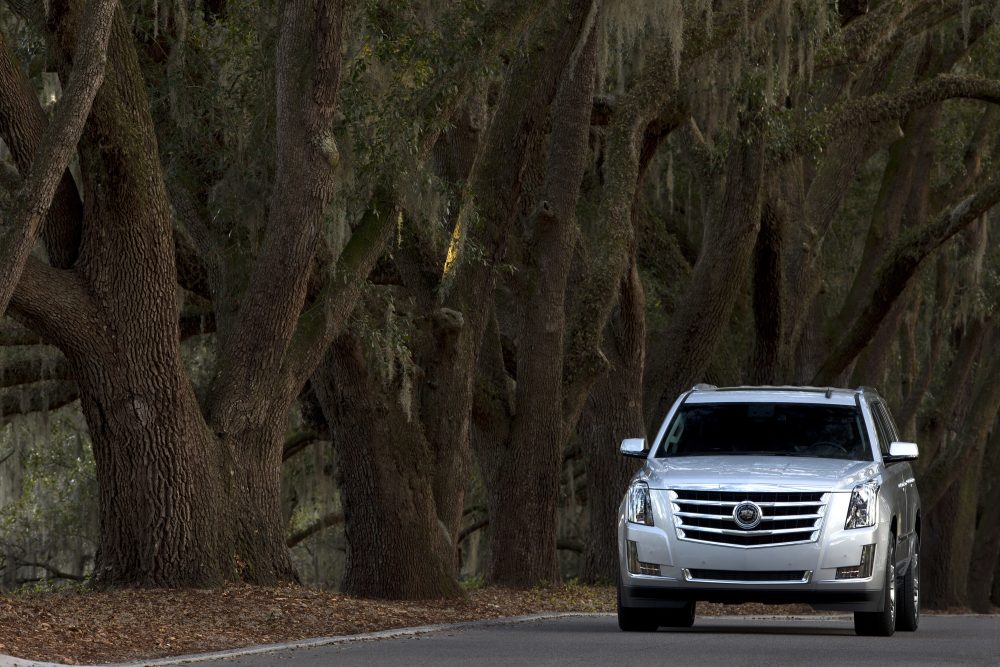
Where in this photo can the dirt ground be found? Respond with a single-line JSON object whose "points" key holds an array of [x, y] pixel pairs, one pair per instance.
{"points": [[82, 626]]}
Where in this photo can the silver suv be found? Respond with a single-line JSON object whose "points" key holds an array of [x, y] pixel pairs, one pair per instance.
{"points": [[772, 494]]}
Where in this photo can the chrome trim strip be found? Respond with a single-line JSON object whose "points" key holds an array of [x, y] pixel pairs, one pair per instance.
{"points": [[785, 517], [754, 533], [681, 536], [804, 580], [734, 503], [751, 488]]}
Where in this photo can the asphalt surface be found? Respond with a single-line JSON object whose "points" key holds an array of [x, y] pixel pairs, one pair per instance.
{"points": [[596, 640]]}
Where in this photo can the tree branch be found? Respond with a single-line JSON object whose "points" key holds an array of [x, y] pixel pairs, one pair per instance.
{"points": [[331, 519], [653, 97], [307, 80], [949, 463], [57, 145], [564, 544], [965, 179], [469, 530], [56, 304], [12, 334], [847, 118], [54, 572], [503, 23], [299, 442], [38, 397], [900, 263], [34, 369], [22, 126], [323, 320]]}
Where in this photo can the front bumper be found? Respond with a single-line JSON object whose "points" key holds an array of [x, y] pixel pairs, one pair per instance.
{"points": [[804, 572]]}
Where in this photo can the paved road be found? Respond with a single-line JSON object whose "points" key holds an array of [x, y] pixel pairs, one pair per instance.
{"points": [[595, 640]]}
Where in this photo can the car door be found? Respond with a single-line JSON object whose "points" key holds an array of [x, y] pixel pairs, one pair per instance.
{"points": [[899, 476]]}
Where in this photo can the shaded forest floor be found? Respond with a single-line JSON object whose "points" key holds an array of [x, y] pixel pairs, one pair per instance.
{"points": [[82, 626]]}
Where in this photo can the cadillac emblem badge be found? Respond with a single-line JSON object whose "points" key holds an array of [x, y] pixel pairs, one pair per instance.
{"points": [[747, 515]]}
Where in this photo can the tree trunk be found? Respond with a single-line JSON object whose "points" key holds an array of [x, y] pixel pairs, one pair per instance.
{"points": [[769, 297], [163, 515], [179, 504], [614, 412], [55, 147], [936, 555], [986, 545], [524, 495], [943, 296], [952, 523], [703, 313], [952, 512], [949, 461], [397, 548]]}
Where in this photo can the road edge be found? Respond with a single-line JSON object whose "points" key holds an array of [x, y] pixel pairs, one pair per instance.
{"points": [[397, 633], [262, 649]]}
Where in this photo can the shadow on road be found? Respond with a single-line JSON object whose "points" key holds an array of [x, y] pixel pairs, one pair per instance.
{"points": [[712, 626], [763, 630]]}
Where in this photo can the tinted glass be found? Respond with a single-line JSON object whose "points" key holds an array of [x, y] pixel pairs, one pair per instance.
{"points": [[882, 427], [777, 429]]}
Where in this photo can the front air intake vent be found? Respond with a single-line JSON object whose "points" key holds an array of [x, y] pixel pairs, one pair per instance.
{"points": [[770, 576]]}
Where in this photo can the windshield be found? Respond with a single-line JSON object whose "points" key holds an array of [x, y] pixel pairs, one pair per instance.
{"points": [[776, 429]]}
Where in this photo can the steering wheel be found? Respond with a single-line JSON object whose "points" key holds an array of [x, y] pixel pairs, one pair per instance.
{"points": [[831, 444]]}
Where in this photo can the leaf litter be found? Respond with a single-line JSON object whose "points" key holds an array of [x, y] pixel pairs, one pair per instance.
{"points": [[83, 626]]}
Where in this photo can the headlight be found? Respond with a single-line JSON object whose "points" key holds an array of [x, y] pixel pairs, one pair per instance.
{"points": [[861, 510], [638, 508]]}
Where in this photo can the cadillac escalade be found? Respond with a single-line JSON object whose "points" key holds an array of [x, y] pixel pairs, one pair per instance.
{"points": [[774, 495]]}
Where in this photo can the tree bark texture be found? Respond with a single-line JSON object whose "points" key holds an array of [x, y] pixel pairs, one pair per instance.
{"points": [[948, 462], [943, 296], [703, 313], [614, 412], [440, 433], [308, 78], [523, 496], [397, 548], [908, 166], [938, 421], [181, 503], [768, 298], [22, 124], [896, 269], [57, 143], [985, 558]]}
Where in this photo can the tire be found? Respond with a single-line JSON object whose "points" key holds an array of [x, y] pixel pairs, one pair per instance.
{"points": [[908, 616], [631, 619], [881, 623], [678, 618]]}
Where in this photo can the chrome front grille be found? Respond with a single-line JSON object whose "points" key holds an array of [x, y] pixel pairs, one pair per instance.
{"points": [[785, 517]]}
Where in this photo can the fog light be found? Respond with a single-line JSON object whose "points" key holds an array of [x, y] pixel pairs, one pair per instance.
{"points": [[636, 566], [862, 570]]}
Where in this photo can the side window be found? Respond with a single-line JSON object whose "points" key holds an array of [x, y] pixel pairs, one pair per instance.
{"points": [[676, 431], [881, 427], [896, 435]]}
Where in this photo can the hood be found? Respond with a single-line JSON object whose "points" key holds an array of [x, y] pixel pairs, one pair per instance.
{"points": [[756, 473]]}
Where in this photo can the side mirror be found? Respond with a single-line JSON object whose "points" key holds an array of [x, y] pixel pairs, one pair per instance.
{"points": [[634, 447], [902, 451]]}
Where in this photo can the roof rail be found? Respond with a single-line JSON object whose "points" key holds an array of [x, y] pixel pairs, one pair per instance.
{"points": [[864, 389], [702, 386]]}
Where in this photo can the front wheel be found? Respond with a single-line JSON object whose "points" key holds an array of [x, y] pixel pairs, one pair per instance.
{"points": [[678, 618], [631, 619], [909, 604], [881, 623]]}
